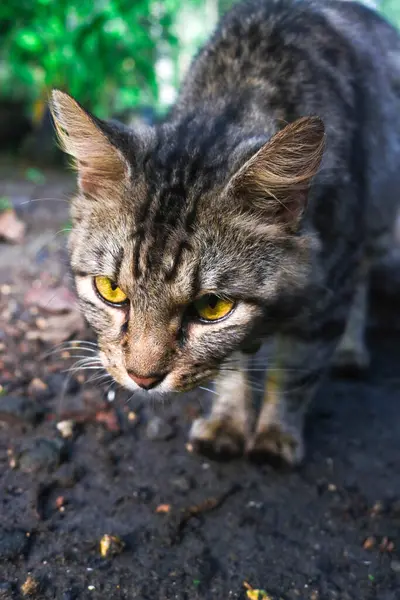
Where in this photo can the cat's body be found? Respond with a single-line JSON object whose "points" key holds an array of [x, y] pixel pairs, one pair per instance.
{"points": [[213, 201]]}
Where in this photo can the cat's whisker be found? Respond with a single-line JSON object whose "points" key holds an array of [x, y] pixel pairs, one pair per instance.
{"points": [[206, 389], [85, 364], [81, 345], [131, 397], [97, 377], [66, 199]]}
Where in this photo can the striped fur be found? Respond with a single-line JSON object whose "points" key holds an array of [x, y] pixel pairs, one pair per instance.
{"points": [[221, 198]]}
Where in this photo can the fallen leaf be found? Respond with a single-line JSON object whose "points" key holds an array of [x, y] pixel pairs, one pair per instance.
{"points": [[31, 586], [66, 428], [110, 545], [60, 502], [369, 543], [11, 228], [163, 508], [53, 300], [254, 594]]}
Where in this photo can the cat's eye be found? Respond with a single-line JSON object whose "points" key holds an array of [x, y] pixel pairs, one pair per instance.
{"points": [[109, 291], [212, 308]]}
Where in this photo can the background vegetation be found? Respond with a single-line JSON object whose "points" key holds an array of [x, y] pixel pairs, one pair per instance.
{"points": [[112, 55]]}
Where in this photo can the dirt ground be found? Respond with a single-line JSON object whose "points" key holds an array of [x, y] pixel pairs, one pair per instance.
{"points": [[186, 527]]}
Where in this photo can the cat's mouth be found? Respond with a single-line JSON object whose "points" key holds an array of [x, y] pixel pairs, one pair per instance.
{"points": [[174, 381]]}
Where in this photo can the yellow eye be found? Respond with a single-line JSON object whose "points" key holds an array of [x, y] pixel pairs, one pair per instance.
{"points": [[108, 290], [212, 308]]}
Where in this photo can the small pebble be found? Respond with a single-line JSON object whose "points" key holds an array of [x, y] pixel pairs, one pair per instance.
{"points": [[159, 429], [13, 543], [395, 566], [42, 455], [182, 484], [38, 389], [111, 395], [66, 428]]}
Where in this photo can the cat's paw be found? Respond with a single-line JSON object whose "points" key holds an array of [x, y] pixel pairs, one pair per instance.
{"points": [[351, 360], [218, 438], [277, 446]]}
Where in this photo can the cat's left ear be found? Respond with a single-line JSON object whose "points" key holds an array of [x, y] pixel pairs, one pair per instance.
{"points": [[275, 181], [102, 168]]}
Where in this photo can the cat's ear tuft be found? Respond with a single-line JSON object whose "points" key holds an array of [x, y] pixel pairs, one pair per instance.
{"points": [[101, 166], [275, 181]]}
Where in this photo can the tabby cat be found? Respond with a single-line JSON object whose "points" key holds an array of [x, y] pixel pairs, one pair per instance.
{"points": [[251, 214]]}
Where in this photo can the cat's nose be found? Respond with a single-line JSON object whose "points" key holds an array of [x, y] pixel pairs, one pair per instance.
{"points": [[146, 382]]}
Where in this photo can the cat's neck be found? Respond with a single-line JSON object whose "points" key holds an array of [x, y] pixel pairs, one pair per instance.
{"points": [[215, 133]]}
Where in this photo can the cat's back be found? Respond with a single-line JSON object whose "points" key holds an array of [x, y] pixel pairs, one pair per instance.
{"points": [[287, 43]]}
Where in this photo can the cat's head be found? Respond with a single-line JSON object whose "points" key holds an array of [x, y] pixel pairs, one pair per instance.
{"points": [[184, 241]]}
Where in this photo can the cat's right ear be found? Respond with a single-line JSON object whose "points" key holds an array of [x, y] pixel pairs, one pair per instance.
{"points": [[102, 168], [274, 182]]}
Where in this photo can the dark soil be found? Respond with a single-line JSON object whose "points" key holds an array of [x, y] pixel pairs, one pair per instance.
{"points": [[330, 530]]}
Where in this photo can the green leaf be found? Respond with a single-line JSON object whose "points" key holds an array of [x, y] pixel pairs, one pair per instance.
{"points": [[35, 176], [28, 40], [5, 204]]}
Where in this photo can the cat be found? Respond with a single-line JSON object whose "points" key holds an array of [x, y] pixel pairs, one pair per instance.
{"points": [[251, 214]]}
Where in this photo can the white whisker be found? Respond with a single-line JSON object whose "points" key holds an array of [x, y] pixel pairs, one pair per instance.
{"points": [[202, 387]]}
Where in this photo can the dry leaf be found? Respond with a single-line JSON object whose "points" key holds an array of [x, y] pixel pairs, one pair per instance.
{"points": [[254, 594], [11, 228], [110, 545], [163, 508]]}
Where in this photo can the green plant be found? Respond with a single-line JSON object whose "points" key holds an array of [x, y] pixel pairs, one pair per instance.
{"points": [[391, 9], [101, 51], [5, 204]]}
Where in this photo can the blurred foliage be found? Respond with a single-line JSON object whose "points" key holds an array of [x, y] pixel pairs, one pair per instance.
{"points": [[102, 51], [391, 9]]}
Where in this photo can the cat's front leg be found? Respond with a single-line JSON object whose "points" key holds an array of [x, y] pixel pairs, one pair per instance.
{"points": [[293, 374], [225, 431], [351, 354]]}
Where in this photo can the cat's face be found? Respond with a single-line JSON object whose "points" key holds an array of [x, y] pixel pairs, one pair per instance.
{"points": [[176, 263]]}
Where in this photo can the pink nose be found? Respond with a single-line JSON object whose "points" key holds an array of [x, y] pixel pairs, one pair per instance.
{"points": [[145, 382]]}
